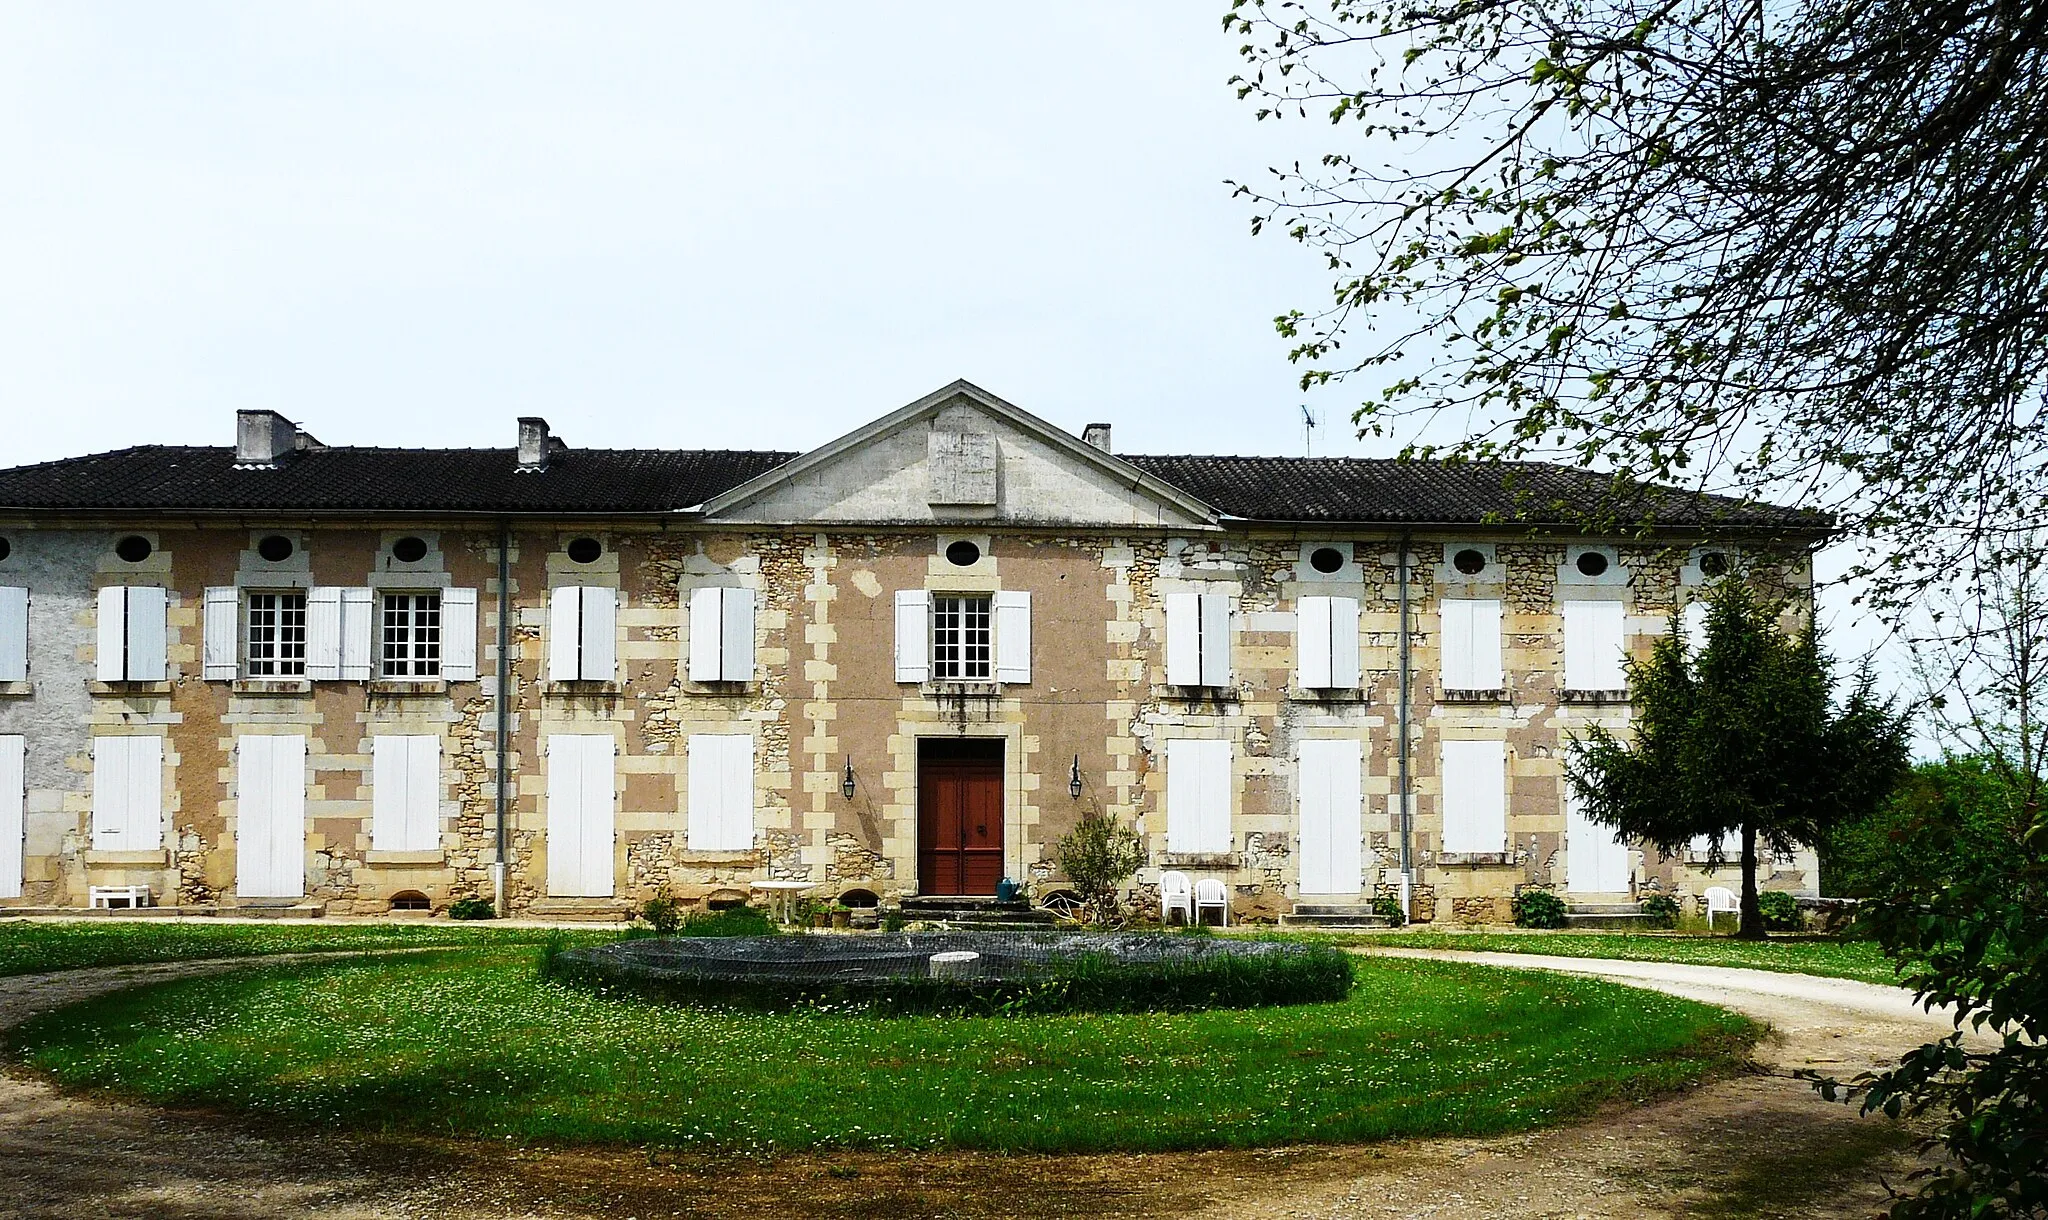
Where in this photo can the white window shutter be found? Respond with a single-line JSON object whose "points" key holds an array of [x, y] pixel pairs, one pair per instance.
{"points": [[1215, 639], [1328, 802], [736, 636], [13, 814], [1692, 622], [565, 813], [707, 627], [458, 635], [423, 793], [270, 815], [1344, 669], [13, 643], [913, 635], [721, 813], [1471, 643], [1454, 643], [1183, 639], [600, 631], [111, 661], [1198, 796], [111, 789], [127, 793], [388, 790], [358, 626], [1593, 646], [1486, 667], [1013, 636], [221, 631], [1312, 643], [1474, 800], [323, 634], [600, 876], [147, 662], [565, 634]]}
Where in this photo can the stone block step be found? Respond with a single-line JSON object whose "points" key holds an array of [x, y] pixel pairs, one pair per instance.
{"points": [[1604, 908], [581, 910], [1362, 909], [1620, 921], [1332, 920]]}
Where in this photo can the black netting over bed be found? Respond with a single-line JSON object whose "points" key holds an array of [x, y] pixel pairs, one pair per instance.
{"points": [[939, 971]]}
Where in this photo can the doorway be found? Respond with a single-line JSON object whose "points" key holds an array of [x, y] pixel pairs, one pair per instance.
{"points": [[1595, 861], [959, 816]]}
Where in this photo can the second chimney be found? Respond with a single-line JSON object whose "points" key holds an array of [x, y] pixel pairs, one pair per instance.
{"points": [[535, 445], [263, 437], [1096, 435]]}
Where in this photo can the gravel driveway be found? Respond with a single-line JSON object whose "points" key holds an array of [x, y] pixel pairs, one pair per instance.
{"points": [[1758, 1145]]}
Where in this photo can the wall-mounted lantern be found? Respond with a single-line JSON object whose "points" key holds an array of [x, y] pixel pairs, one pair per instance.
{"points": [[1074, 779], [846, 780]]}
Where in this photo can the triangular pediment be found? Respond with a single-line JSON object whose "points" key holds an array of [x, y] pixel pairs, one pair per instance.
{"points": [[958, 455]]}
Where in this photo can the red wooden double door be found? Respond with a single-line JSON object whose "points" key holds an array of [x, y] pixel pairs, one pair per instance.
{"points": [[959, 816]]}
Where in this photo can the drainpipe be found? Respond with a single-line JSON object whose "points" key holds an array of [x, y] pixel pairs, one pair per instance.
{"points": [[1401, 785], [504, 708]]}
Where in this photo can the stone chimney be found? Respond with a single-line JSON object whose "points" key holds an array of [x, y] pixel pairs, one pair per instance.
{"points": [[1096, 435], [262, 438], [536, 444]]}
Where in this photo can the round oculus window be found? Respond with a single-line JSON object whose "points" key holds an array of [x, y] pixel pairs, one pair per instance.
{"points": [[1714, 563], [134, 548], [1591, 563], [585, 550], [1469, 561], [963, 554], [6, 548], [1326, 559], [409, 550], [276, 548]]}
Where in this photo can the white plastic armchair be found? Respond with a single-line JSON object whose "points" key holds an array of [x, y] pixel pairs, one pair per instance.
{"points": [[1209, 893], [1719, 898], [1176, 893]]}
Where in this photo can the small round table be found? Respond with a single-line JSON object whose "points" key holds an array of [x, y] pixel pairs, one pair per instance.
{"points": [[782, 895]]}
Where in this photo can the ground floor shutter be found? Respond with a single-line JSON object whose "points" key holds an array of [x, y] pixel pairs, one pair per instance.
{"points": [[405, 793], [270, 816], [1198, 796], [1331, 836], [13, 813], [580, 815], [1474, 801], [127, 793], [721, 812]]}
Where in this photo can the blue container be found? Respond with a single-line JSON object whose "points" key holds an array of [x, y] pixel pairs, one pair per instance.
{"points": [[1006, 890]]}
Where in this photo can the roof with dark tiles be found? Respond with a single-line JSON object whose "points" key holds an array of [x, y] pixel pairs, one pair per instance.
{"points": [[164, 478]]}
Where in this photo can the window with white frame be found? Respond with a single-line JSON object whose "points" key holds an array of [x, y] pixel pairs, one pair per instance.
{"points": [[411, 636], [963, 638], [276, 643]]}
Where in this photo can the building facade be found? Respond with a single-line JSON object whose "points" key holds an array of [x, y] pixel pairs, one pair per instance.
{"points": [[904, 663]]}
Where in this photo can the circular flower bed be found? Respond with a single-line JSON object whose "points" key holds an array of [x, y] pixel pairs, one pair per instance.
{"points": [[924, 972]]}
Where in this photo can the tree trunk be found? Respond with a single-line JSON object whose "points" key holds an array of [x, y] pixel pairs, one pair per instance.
{"points": [[1752, 908]]}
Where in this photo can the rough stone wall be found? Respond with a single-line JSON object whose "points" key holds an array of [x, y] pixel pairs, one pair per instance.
{"points": [[825, 696]]}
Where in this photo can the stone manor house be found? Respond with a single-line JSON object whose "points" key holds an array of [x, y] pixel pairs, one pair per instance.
{"points": [[903, 663]]}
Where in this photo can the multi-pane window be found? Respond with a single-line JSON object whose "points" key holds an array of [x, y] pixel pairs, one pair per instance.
{"points": [[962, 644], [412, 635], [277, 635]]}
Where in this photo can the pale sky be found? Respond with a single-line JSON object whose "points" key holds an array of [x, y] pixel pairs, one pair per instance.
{"points": [[658, 225]]}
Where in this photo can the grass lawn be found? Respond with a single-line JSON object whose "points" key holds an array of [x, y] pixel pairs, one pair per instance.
{"points": [[33, 946], [1843, 959], [472, 1043]]}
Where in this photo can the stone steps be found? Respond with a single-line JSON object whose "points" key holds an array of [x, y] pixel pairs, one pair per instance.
{"points": [[1608, 917], [1334, 915], [980, 914]]}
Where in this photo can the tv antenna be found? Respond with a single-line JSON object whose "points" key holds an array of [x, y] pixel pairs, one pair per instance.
{"points": [[1308, 431]]}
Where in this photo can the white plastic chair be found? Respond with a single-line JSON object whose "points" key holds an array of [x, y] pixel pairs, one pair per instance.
{"points": [[1209, 892], [1720, 898], [1176, 893]]}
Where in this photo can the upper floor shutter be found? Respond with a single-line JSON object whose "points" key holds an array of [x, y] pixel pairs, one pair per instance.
{"points": [[913, 635], [1012, 610], [358, 625], [13, 637], [1215, 639], [1593, 646], [1312, 643], [221, 630], [565, 634], [736, 635], [458, 635], [1470, 643], [1183, 639]]}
